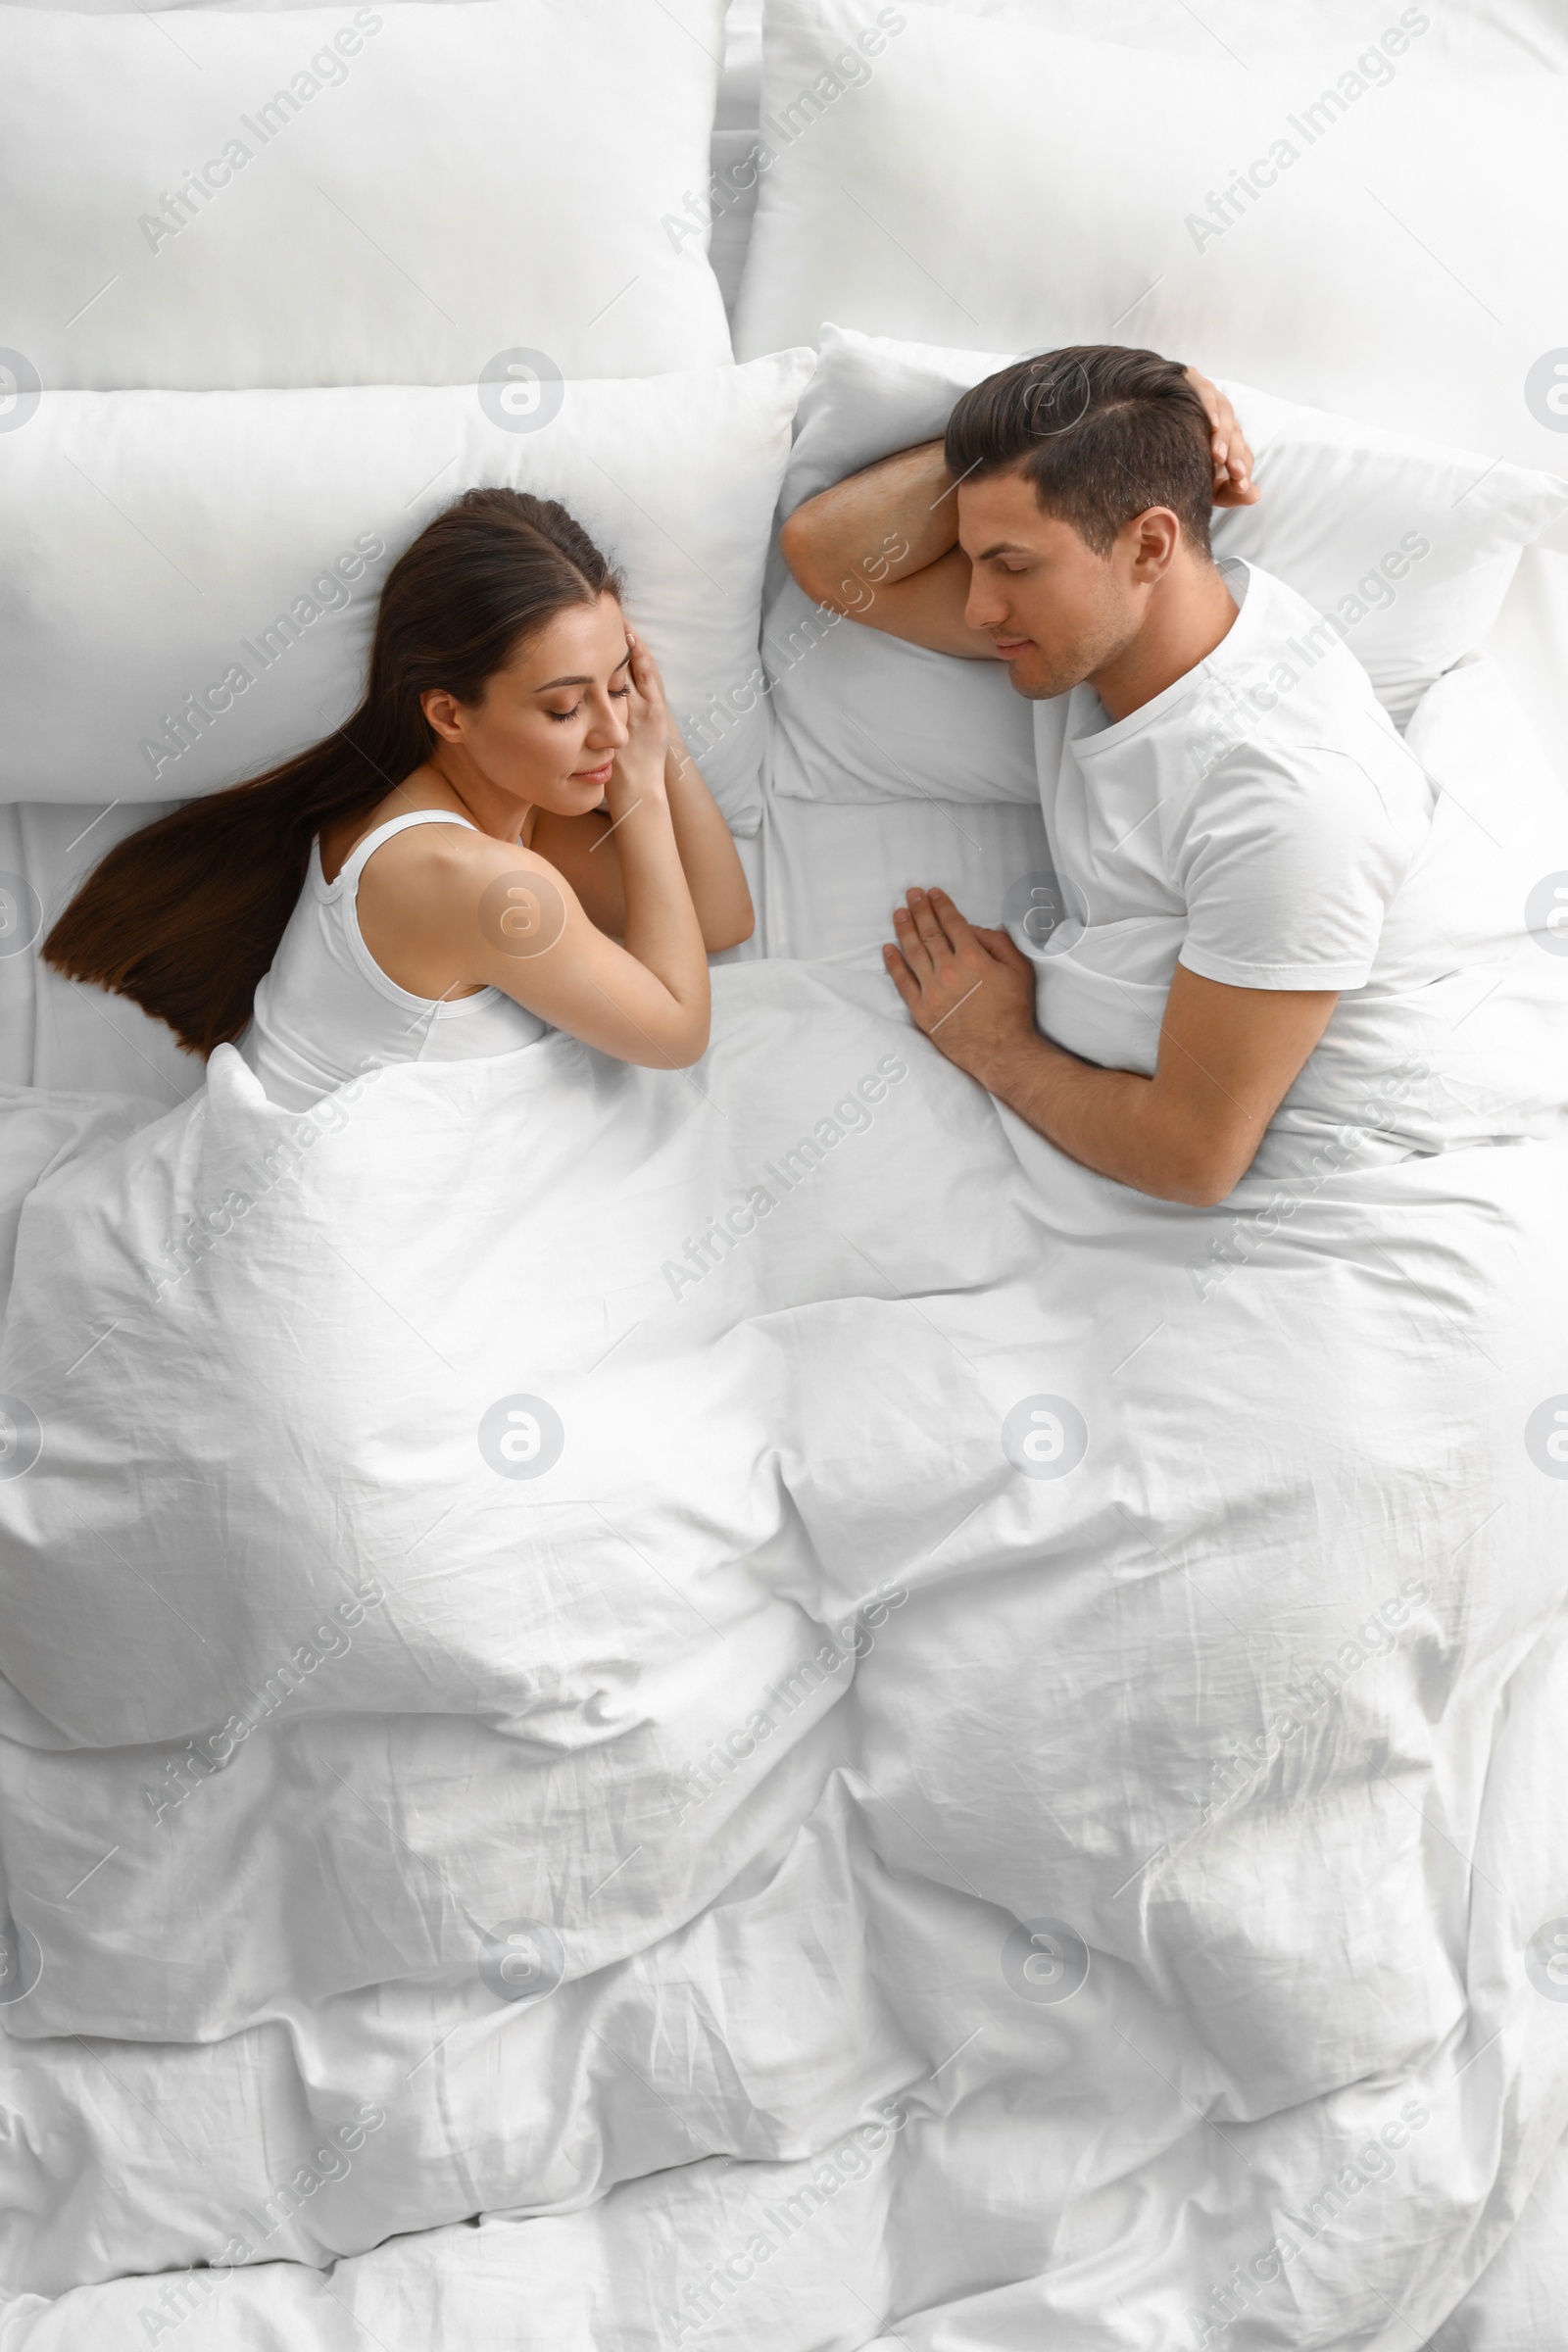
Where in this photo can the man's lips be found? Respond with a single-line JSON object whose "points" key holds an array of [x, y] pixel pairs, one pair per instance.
{"points": [[1008, 648]]}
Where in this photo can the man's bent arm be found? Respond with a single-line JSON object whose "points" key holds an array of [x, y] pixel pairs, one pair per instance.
{"points": [[1227, 1058], [1183, 1138], [882, 546]]}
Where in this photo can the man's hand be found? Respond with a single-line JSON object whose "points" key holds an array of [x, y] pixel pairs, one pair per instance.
{"points": [[1234, 485], [1227, 1057], [967, 987]]}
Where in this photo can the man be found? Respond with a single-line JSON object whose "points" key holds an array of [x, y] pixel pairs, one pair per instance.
{"points": [[1230, 820]]}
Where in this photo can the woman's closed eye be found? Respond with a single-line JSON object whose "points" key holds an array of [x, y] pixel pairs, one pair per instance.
{"points": [[618, 694]]}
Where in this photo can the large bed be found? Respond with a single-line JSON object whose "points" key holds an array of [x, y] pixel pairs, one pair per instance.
{"points": [[822, 1869]]}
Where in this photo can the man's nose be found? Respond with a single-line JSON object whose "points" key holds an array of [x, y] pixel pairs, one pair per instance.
{"points": [[985, 608]]}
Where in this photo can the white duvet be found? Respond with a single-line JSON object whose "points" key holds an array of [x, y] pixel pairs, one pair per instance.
{"points": [[742, 1709]]}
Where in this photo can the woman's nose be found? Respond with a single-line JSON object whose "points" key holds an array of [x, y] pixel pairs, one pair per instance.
{"points": [[608, 730]]}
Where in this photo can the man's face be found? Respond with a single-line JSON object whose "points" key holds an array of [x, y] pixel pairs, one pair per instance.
{"points": [[1055, 612]]}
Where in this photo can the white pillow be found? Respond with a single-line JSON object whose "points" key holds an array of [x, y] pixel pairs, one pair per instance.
{"points": [[175, 553], [1508, 32], [859, 717], [1410, 547], [378, 194], [118, 8], [986, 181]]}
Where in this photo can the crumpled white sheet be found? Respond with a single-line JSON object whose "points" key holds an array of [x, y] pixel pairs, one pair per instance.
{"points": [[807, 1876]]}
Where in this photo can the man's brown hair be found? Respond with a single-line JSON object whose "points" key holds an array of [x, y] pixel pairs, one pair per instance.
{"points": [[1103, 432]]}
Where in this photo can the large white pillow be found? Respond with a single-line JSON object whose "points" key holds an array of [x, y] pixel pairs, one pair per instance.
{"points": [[398, 193], [987, 180], [1410, 547], [189, 578], [1477, 37]]}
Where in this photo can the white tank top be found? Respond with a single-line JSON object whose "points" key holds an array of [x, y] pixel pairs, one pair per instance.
{"points": [[326, 1009]]}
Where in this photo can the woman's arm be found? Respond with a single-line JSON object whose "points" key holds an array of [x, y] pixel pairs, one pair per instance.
{"points": [[586, 850], [523, 927], [707, 851]]}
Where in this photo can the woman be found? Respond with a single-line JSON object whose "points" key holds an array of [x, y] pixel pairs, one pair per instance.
{"points": [[508, 833]]}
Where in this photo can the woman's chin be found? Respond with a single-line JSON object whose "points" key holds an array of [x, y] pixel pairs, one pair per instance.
{"points": [[567, 796]]}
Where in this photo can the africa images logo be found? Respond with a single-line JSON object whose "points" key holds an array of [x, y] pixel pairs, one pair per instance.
{"points": [[1546, 390]]}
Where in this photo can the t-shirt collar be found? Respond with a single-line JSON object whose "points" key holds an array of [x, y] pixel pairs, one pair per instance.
{"points": [[1088, 742]]}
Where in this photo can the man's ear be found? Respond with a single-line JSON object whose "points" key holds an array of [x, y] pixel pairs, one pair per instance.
{"points": [[1156, 536]]}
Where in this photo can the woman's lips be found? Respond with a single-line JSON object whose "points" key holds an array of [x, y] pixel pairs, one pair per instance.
{"points": [[593, 775]]}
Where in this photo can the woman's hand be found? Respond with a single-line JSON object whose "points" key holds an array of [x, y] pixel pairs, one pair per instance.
{"points": [[643, 997], [667, 787], [639, 771], [1234, 485]]}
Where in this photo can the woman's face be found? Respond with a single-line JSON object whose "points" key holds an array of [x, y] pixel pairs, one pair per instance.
{"points": [[551, 722]]}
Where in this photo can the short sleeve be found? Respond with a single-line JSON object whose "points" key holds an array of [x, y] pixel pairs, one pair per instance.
{"points": [[1288, 864]]}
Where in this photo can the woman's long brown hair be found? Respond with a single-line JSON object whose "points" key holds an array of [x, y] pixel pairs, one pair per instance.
{"points": [[185, 916]]}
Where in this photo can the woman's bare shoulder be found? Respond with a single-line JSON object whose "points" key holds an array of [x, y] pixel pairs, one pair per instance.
{"points": [[430, 877]]}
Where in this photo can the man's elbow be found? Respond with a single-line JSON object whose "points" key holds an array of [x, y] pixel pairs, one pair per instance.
{"points": [[1200, 1193], [795, 544], [1207, 1176], [800, 544]]}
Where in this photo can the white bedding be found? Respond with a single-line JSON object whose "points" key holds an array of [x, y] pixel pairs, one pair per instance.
{"points": [[243, 633], [327, 196], [805, 2084], [1315, 201], [973, 1551], [833, 871], [759, 1955]]}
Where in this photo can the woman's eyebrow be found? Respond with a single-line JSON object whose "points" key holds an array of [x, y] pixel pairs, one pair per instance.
{"points": [[551, 684]]}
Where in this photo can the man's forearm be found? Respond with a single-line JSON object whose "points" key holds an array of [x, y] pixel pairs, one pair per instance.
{"points": [[900, 515], [1112, 1121], [896, 518]]}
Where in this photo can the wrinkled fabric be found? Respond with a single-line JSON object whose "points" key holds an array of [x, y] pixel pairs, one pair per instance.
{"points": [[840, 1725]]}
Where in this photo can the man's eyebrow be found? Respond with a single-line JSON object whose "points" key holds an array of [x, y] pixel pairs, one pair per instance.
{"points": [[1002, 546], [551, 684]]}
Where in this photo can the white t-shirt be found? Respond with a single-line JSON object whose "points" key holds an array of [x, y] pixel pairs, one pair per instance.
{"points": [[1260, 822]]}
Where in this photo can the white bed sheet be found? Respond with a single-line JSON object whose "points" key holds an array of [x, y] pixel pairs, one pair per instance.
{"points": [[1065, 1715], [53, 1033], [832, 872]]}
